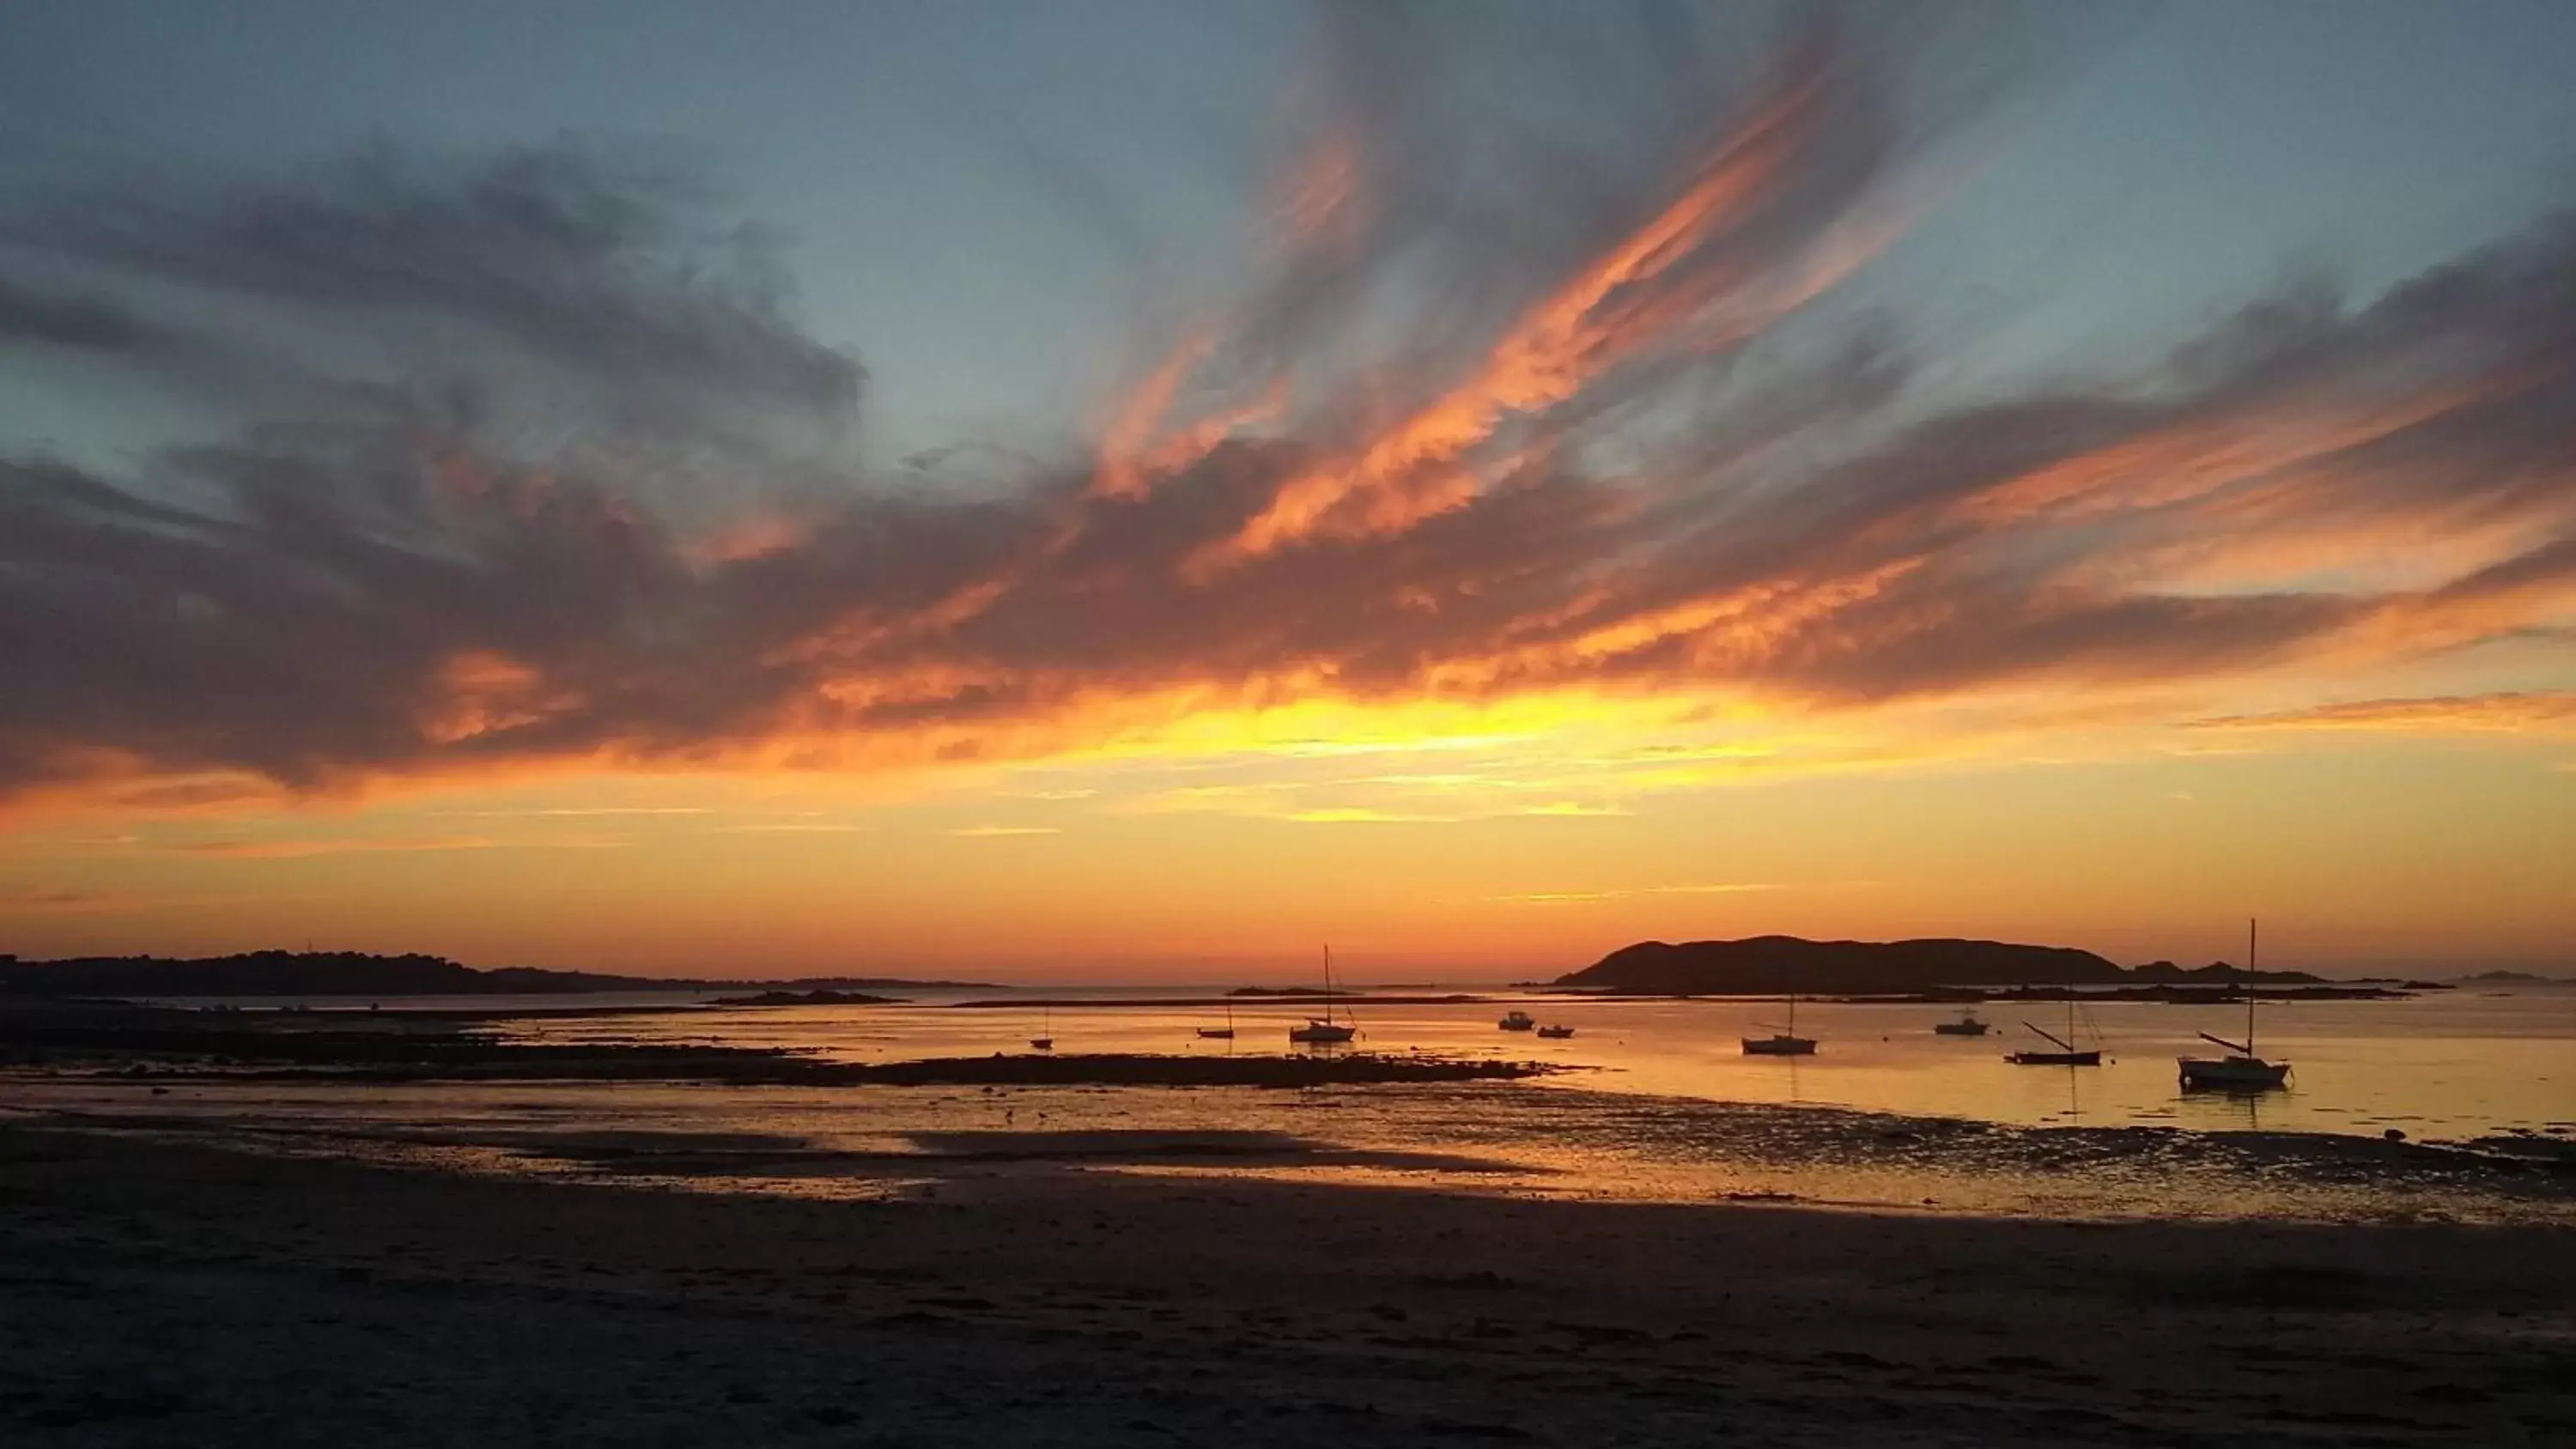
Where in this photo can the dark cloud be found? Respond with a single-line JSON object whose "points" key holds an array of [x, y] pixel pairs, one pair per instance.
{"points": [[59, 320], [587, 274], [398, 578]]}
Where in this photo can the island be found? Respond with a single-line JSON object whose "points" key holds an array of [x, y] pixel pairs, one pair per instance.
{"points": [[1764, 965], [359, 973]]}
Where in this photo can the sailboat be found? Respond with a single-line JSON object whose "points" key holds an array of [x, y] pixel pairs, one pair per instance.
{"points": [[2067, 1053], [1785, 1042], [1323, 1030], [1225, 1032], [2240, 1070], [1046, 1041]]}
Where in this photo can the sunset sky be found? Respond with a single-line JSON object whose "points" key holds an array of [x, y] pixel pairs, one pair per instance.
{"points": [[1139, 490]]}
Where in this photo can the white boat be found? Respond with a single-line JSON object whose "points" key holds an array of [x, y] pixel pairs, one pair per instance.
{"points": [[1517, 1021], [2242, 1069], [1323, 1030], [1556, 1033], [1782, 1043]]}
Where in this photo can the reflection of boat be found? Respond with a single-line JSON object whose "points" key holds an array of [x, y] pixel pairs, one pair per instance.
{"points": [[1517, 1021], [1782, 1043], [1323, 1030], [2067, 1053], [1225, 1032], [2240, 1070], [1556, 1033], [1966, 1025]]}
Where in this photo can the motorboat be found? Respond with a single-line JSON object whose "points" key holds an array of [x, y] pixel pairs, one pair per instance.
{"points": [[1968, 1024], [1556, 1033], [1517, 1021]]}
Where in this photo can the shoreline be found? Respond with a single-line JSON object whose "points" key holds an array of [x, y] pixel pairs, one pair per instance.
{"points": [[179, 1292]]}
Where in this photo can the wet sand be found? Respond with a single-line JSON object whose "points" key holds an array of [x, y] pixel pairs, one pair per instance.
{"points": [[168, 1293]]}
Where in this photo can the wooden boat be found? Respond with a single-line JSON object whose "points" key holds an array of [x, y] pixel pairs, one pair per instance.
{"points": [[2241, 1070], [1782, 1043], [1556, 1033], [1323, 1030], [2068, 1054]]}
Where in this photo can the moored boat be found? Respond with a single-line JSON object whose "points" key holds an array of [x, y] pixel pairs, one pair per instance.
{"points": [[1968, 1024], [1784, 1042], [1517, 1021], [1323, 1030], [2068, 1054], [1556, 1033], [2242, 1069]]}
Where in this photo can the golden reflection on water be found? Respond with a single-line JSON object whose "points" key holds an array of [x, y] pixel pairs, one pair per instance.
{"points": [[2458, 1064]]}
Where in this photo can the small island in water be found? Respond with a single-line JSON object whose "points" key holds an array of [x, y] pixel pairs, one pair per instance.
{"points": [[1761, 965]]}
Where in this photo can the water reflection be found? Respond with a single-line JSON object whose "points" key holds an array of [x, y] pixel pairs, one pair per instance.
{"points": [[2438, 1065]]}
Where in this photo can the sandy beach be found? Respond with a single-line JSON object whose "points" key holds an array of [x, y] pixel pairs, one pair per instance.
{"points": [[178, 1293]]}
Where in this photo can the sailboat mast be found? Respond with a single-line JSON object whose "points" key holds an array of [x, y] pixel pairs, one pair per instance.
{"points": [[2250, 974]]}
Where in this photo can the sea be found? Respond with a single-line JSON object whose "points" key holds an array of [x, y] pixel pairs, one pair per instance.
{"points": [[2456, 1105]]}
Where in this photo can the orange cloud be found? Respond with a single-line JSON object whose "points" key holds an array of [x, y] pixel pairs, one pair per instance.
{"points": [[2539, 711]]}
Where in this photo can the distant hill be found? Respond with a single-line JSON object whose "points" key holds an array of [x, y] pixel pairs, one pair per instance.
{"points": [[1763, 964], [348, 973]]}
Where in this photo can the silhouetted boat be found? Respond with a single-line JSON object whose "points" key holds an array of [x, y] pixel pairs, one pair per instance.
{"points": [[1517, 1021], [1966, 1025], [1556, 1033], [1225, 1032], [1782, 1043], [2241, 1070], [1323, 1030], [2068, 1054], [1045, 1042]]}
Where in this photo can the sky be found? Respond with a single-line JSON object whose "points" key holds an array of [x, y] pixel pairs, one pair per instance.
{"points": [[1140, 490]]}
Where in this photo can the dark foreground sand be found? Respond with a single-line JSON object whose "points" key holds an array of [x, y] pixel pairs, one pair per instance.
{"points": [[164, 1294]]}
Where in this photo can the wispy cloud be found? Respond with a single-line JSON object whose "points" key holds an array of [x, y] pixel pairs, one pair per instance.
{"points": [[1607, 452], [1361, 815], [299, 849], [1579, 898], [2510, 713]]}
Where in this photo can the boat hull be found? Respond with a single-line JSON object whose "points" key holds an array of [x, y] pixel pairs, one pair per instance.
{"points": [[1556, 1033], [2235, 1074], [1779, 1046], [1225, 1032], [2055, 1059], [1318, 1035], [1960, 1028]]}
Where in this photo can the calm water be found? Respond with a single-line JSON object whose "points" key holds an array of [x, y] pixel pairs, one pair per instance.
{"points": [[1886, 1115], [2451, 1064]]}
